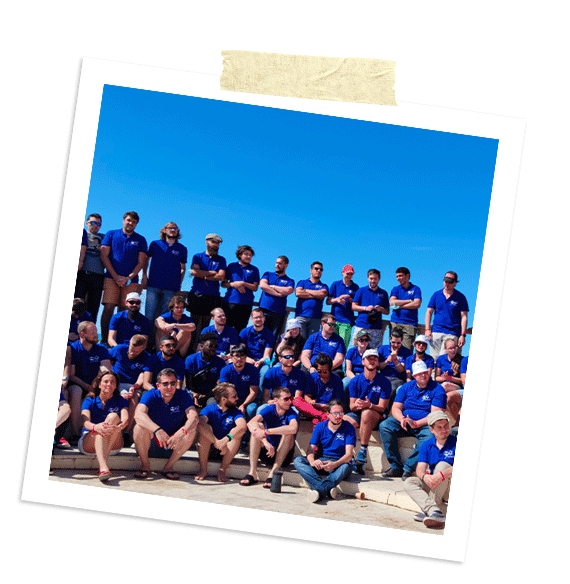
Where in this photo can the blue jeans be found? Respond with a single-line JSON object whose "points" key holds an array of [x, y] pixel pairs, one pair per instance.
{"points": [[156, 303], [309, 325], [390, 431], [318, 482]]}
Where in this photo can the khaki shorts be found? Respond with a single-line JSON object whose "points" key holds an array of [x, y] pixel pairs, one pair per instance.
{"points": [[113, 294]]}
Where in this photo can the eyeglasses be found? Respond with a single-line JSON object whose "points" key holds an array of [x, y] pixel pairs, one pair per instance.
{"points": [[133, 301], [98, 223], [319, 269], [169, 346], [169, 384], [330, 323], [336, 413], [396, 342]]}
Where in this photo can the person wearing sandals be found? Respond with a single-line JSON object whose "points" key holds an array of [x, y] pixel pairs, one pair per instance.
{"points": [[166, 423], [105, 415]]}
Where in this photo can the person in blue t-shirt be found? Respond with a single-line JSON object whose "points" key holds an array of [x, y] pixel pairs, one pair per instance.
{"points": [[177, 325], [165, 358], [220, 428], [310, 296], [405, 300], [463, 371], [448, 374], [227, 335], [128, 322], [274, 429], [166, 423], [414, 401], [259, 342], [431, 483], [370, 303], [328, 460], [342, 294], [245, 378], [241, 281], [420, 346], [324, 341], [393, 359], [353, 362]]}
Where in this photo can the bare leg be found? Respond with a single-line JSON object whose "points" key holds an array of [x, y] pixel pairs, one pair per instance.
{"points": [[203, 446], [75, 393], [184, 339], [182, 447], [368, 420], [142, 440], [285, 444]]}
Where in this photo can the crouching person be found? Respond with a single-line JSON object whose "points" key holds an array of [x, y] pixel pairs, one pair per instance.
{"points": [[220, 428], [328, 459], [165, 425], [434, 470]]}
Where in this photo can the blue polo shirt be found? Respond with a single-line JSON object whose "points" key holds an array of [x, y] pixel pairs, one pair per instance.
{"points": [[272, 420], [169, 416], [127, 369], [332, 445], [404, 315], [257, 342], [343, 313], [126, 328], [75, 320], [165, 269], [365, 296], [207, 263], [428, 360], [375, 390], [431, 454], [99, 412], [235, 272], [309, 307], [316, 343], [463, 368], [274, 303], [321, 392], [156, 363], [355, 358], [221, 422], [417, 402], [447, 312], [195, 363], [124, 251], [241, 380], [88, 362], [445, 365], [295, 381], [390, 371], [226, 339]]}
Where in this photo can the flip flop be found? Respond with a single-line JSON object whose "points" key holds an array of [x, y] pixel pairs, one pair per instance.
{"points": [[267, 483], [104, 476], [248, 480], [141, 474], [170, 475]]}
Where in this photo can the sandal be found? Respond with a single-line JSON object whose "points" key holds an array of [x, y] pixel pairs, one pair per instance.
{"points": [[141, 474], [170, 475], [248, 480], [267, 483], [104, 476]]}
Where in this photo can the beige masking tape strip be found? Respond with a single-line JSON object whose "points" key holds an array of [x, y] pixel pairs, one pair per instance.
{"points": [[331, 78]]}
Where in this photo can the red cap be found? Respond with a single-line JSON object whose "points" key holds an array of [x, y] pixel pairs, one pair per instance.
{"points": [[348, 268]]}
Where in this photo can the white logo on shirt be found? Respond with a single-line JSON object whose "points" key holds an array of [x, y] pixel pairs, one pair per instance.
{"points": [[174, 409]]}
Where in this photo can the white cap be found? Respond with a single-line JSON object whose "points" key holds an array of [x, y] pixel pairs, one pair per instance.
{"points": [[421, 339], [370, 352], [419, 367], [132, 296]]}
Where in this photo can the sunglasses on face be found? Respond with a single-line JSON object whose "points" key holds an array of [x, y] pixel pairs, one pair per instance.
{"points": [[287, 357], [133, 301], [98, 223]]}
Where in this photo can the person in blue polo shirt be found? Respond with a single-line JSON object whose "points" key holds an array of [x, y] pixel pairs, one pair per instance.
{"points": [[370, 303], [245, 378], [123, 253], [276, 286], [429, 486], [227, 335], [324, 341], [310, 296], [241, 281], [220, 428], [393, 359], [166, 423], [128, 322], [284, 375], [448, 374], [450, 311], [414, 401], [405, 299], [328, 458], [176, 324], [342, 294], [420, 346], [165, 358], [259, 342]]}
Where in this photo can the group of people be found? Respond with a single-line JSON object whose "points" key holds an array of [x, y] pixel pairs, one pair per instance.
{"points": [[166, 379]]}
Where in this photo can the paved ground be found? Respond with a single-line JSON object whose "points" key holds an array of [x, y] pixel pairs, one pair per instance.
{"points": [[291, 499]]}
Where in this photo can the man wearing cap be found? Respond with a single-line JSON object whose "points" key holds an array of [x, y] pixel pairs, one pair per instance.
{"points": [[450, 309], [324, 341], [432, 480], [276, 286], [208, 269], [123, 253], [414, 401], [128, 322], [368, 394], [310, 296], [405, 299], [420, 345], [342, 294]]}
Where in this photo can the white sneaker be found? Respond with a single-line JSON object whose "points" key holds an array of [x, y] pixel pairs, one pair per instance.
{"points": [[313, 496], [435, 519], [419, 517], [335, 493]]}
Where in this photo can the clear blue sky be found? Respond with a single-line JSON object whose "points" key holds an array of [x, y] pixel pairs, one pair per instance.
{"points": [[311, 187]]}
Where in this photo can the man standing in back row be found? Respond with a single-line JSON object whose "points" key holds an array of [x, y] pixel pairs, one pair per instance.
{"points": [[275, 288], [405, 299], [311, 294]]}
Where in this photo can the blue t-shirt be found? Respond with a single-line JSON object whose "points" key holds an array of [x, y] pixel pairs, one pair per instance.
{"points": [[169, 416], [242, 380], [447, 312], [417, 403], [321, 392], [343, 312], [463, 368], [428, 360], [156, 363], [404, 315], [316, 343], [274, 303], [310, 307], [355, 358], [431, 454], [257, 342], [295, 381], [124, 251], [391, 371], [195, 363], [221, 422], [99, 412], [88, 362], [332, 445], [365, 296], [375, 390], [126, 328], [165, 268], [226, 339], [127, 369], [207, 263], [272, 420], [445, 365], [235, 272]]}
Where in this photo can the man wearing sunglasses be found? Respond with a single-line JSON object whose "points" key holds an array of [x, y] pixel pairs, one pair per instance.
{"points": [[310, 296], [128, 322], [392, 359], [166, 357], [284, 375], [324, 341]]}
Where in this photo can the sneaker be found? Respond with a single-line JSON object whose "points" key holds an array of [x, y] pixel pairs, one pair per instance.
{"points": [[335, 493], [435, 519], [420, 517], [361, 457], [313, 496], [407, 474], [63, 444], [392, 473]]}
